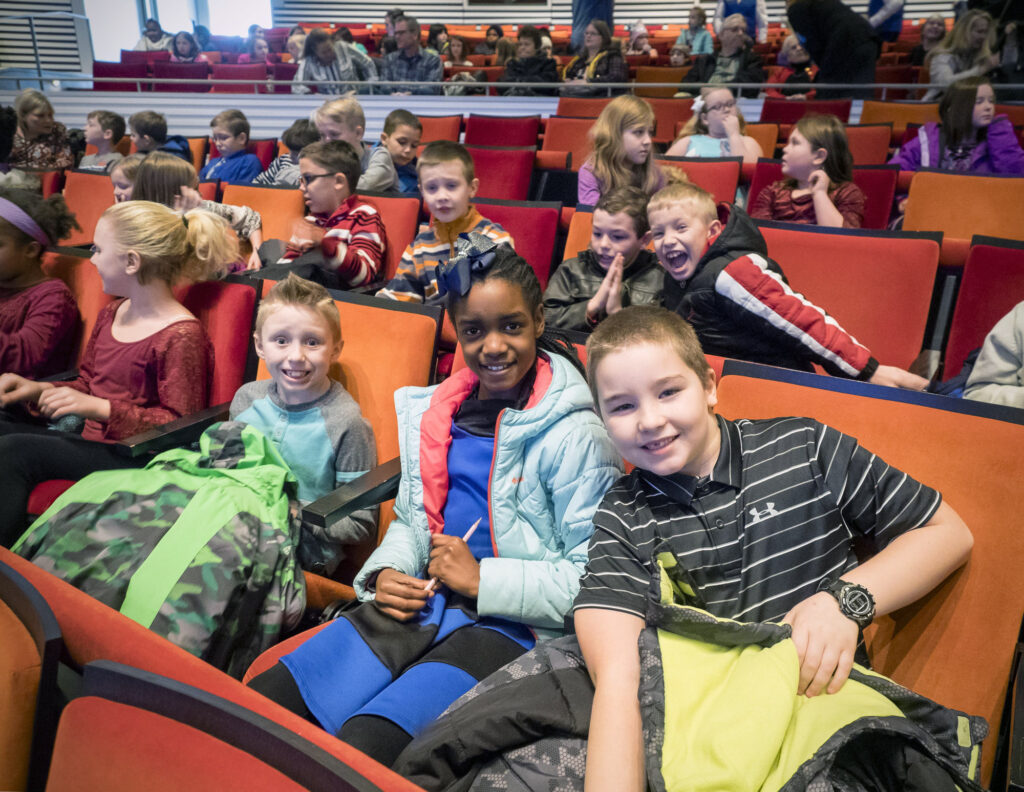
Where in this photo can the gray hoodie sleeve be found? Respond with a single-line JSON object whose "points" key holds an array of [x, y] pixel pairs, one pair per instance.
{"points": [[998, 375]]}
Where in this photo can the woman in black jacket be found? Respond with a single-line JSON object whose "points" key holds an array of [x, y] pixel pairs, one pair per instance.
{"points": [[530, 66]]}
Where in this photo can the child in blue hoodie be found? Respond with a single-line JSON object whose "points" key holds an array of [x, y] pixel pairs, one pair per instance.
{"points": [[445, 606], [229, 130]]}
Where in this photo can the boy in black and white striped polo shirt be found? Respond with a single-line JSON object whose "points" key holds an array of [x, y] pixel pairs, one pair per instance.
{"points": [[762, 515]]}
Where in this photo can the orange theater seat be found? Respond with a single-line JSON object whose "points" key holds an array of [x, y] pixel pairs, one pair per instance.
{"points": [[961, 206], [899, 114], [131, 76], [440, 128], [851, 274], [29, 657], [992, 284], [257, 72], [88, 194], [669, 115], [533, 226], [182, 71], [265, 149], [400, 215], [93, 631], [955, 645], [581, 107], [569, 135], [581, 227], [869, 143], [482, 130], [280, 207], [717, 175], [504, 173], [659, 74]]}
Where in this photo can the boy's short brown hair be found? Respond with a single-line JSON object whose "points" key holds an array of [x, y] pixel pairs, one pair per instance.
{"points": [[109, 122], [294, 290], [149, 123], [397, 118], [299, 135], [644, 324], [685, 193], [441, 151], [631, 201], [336, 156], [234, 121]]}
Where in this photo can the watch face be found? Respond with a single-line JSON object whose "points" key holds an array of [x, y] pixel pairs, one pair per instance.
{"points": [[857, 601]]}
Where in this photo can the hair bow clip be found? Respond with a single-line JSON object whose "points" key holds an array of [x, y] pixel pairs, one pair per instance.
{"points": [[698, 105], [473, 253]]}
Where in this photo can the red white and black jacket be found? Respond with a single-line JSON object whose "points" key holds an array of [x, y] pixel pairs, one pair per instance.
{"points": [[741, 306]]}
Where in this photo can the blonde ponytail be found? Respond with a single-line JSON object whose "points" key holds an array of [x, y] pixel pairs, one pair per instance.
{"points": [[172, 248]]}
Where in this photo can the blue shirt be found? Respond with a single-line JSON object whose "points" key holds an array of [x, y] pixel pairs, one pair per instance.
{"points": [[238, 168], [469, 466]]}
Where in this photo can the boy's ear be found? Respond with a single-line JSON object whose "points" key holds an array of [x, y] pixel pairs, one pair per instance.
{"points": [[258, 343], [711, 390], [108, 134], [383, 138], [473, 187], [714, 227], [341, 184], [645, 240]]}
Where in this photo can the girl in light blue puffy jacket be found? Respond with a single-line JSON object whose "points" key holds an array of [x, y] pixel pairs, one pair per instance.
{"points": [[510, 445]]}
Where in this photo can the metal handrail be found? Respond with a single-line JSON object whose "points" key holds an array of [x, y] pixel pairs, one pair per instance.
{"points": [[632, 85]]}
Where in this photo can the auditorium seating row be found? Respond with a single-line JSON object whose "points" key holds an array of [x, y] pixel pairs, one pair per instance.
{"points": [[140, 694]]}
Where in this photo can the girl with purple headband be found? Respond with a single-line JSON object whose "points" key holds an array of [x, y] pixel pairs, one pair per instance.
{"points": [[39, 319]]}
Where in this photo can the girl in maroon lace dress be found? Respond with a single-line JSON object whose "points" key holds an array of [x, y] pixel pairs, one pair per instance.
{"points": [[39, 319], [818, 188], [148, 361]]}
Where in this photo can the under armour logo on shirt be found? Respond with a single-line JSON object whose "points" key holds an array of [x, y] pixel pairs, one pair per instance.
{"points": [[758, 516]]}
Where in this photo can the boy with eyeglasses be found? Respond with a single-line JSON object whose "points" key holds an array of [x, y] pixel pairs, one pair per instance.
{"points": [[341, 242]]}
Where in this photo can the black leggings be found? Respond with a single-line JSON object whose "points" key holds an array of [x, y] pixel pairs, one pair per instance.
{"points": [[479, 652], [31, 454]]}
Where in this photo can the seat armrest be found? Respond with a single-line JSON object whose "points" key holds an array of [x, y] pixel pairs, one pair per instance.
{"points": [[174, 434], [1015, 749], [64, 376], [373, 487]]}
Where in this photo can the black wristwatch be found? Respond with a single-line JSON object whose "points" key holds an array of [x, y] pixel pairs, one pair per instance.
{"points": [[855, 601]]}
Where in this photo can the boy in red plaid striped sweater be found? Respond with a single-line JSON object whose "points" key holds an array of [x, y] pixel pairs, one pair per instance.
{"points": [[348, 231]]}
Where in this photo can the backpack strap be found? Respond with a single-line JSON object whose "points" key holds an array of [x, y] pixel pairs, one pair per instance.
{"points": [[157, 576]]}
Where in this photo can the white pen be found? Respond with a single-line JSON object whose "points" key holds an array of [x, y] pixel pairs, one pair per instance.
{"points": [[433, 581]]}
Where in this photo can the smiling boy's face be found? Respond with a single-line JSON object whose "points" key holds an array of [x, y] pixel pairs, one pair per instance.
{"points": [[299, 347], [681, 236], [657, 410]]}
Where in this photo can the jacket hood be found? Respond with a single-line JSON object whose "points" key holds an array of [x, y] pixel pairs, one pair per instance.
{"points": [[739, 235], [237, 451]]}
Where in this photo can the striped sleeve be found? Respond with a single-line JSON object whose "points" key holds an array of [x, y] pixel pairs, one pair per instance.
{"points": [[495, 232], [355, 252], [878, 502], [765, 301], [618, 571]]}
